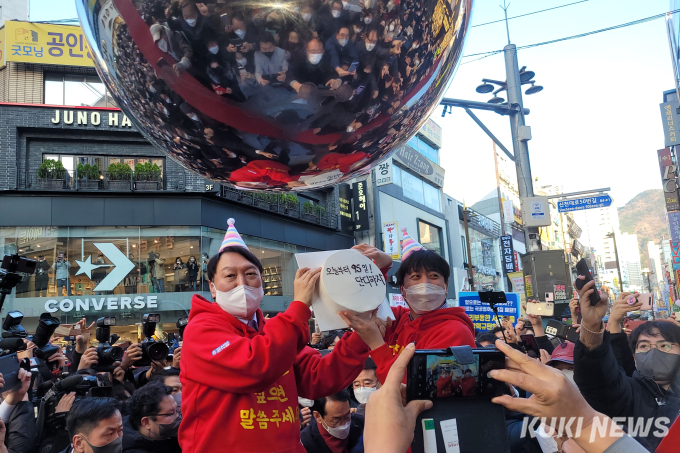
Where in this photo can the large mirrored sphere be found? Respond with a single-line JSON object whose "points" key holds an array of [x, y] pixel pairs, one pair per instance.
{"points": [[278, 96]]}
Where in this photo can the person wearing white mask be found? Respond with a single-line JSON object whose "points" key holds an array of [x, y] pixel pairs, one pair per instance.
{"points": [[423, 279], [334, 427], [173, 43], [365, 384], [340, 50], [241, 373]]}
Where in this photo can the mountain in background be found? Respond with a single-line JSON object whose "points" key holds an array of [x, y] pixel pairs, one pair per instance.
{"points": [[645, 215]]}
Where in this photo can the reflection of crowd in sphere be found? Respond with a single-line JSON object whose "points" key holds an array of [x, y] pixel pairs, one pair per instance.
{"points": [[338, 74]]}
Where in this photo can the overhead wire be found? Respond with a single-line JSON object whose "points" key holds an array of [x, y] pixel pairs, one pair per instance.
{"points": [[580, 35], [528, 14]]}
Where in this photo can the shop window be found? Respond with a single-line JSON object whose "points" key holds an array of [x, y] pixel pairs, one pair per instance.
{"points": [[430, 237], [432, 197], [76, 90], [413, 187], [423, 148], [396, 175], [418, 190]]}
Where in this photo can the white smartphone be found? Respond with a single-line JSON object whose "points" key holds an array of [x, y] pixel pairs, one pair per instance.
{"points": [[541, 308]]}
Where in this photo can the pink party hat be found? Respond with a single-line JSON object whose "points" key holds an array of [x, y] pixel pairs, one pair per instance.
{"points": [[408, 244], [232, 238]]}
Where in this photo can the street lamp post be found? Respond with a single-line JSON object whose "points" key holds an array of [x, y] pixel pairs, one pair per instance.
{"points": [[616, 254], [645, 272]]}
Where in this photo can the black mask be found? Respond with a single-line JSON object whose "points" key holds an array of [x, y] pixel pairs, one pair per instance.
{"points": [[167, 430], [657, 365], [268, 54]]}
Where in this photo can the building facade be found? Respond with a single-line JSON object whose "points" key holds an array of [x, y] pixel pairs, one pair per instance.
{"points": [[62, 192]]}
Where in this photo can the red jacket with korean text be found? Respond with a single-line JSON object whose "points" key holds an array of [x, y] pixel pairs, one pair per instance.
{"points": [[240, 387]]}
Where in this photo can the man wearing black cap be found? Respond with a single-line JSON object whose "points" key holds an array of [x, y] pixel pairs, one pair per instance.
{"points": [[41, 276]]}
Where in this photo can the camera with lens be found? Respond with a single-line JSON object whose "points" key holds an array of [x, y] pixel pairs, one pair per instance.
{"points": [[152, 350], [46, 326], [181, 325], [106, 354]]}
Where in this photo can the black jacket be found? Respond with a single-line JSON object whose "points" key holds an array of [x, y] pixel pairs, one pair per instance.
{"points": [[608, 390], [623, 353], [21, 432], [314, 443], [134, 442]]}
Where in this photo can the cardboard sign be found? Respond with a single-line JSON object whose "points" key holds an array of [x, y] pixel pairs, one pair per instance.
{"points": [[349, 281]]}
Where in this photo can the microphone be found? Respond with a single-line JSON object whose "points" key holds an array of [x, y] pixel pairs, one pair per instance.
{"points": [[69, 384]]}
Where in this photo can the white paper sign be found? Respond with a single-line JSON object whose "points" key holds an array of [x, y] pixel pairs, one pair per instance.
{"points": [[450, 435], [397, 300], [391, 239]]}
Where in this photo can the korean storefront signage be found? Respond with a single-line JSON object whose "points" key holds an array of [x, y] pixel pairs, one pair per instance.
{"points": [[483, 224], [383, 174], [346, 218], [415, 161], [669, 179], [481, 314], [674, 225], [360, 208], [31, 42], [675, 251], [671, 122], [507, 254], [93, 117], [432, 132], [397, 300], [390, 238]]}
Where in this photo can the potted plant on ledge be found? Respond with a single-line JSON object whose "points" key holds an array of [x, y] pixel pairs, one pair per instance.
{"points": [[118, 176], [52, 175], [88, 177], [147, 176]]}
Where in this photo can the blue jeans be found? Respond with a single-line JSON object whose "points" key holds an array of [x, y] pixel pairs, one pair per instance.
{"points": [[158, 284], [192, 285], [61, 282]]}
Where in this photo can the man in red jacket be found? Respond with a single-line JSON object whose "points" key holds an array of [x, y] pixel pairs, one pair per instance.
{"points": [[242, 375], [423, 278]]}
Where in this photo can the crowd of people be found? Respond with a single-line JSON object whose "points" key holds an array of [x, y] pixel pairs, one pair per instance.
{"points": [[287, 95], [250, 383]]}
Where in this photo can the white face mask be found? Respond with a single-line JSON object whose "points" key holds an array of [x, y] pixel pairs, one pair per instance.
{"points": [[242, 62], [370, 46], [163, 45], [241, 302], [350, 129], [306, 17], [213, 50], [314, 58], [570, 375], [425, 297], [367, 20], [304, 402], [240, 33], [357, 30], [342, 42], [392, 27], [191, 22], [335, 13], [340, 432], [362, 394]]}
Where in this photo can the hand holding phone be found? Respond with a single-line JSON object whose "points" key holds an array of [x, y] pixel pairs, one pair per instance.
{"points": [[646, 300], [582, 269]]}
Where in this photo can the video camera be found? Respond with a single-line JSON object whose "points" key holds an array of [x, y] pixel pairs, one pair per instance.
{"points": [[12, 271], [561, 330], [106, 354], [46, 326], [152, 350]]}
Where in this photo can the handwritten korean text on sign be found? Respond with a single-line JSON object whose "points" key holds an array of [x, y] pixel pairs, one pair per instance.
{"points": [[391, 239]]}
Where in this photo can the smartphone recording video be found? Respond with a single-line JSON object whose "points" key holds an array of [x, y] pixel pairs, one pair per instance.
{"points": [[439, 374]]}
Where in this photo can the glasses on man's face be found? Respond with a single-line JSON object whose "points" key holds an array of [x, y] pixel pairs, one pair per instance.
{"points": [[645, 346], [169, 414], [334, 423]]}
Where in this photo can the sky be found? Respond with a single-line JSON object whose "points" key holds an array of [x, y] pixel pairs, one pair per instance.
{"points": [[597, 122]]}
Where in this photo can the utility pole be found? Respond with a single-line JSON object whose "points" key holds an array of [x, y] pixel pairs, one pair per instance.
{"points": [[520, 132], [467, 243], [616, 254]]}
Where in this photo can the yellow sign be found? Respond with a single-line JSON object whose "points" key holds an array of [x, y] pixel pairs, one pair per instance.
{"points": [[28, 42], [2, 47]]}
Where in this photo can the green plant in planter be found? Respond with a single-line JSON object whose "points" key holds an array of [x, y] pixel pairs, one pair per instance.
{"points": [[147, 172], [308, 207], [51, 169], [87, 171], [319, 210], [292, 199], [118, 172]]}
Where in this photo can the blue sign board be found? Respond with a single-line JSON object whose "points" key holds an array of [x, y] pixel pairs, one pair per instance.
{"points": [[674, 225], [481, 314], [579, 204]]}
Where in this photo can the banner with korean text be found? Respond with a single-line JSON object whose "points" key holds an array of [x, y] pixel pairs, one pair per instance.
{"points": [[32, 42], [481, 314]]}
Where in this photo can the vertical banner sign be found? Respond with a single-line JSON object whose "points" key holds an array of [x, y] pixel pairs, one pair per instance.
{"points": [[527, 286], [508, 254], [508, 211], [481, 314], [674, 225], [360, 206], [346, 219], [517, 280], [671, 122], [675, 251], [383, 174], [390, 239], [669, 179]]}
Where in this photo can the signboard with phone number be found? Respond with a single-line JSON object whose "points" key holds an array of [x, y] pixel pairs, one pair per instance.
{"points": [[481, 314]]}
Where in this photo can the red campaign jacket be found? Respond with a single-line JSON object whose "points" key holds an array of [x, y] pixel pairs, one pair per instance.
{"points": [[263, 171], [437, 329], [240, 387], [342, 162]]}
